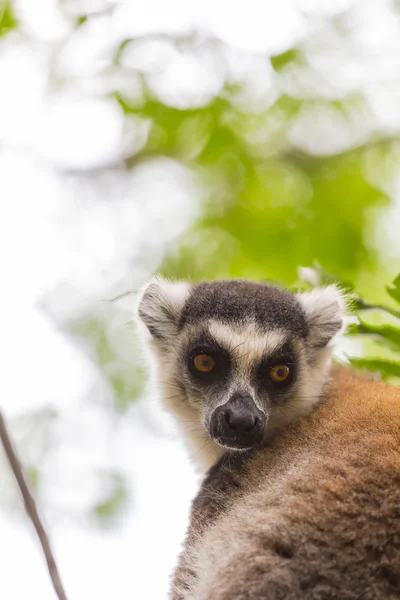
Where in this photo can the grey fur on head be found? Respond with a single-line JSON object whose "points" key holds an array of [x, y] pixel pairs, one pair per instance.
{"points": [[239, 333]]}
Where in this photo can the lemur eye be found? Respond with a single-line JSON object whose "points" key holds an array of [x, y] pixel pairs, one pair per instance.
{"points": [[204, 363], [279, 373]]}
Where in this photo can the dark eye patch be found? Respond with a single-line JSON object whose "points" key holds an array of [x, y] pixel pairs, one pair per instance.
{"points": [[282, 356], [263, 371], [209, 348]]}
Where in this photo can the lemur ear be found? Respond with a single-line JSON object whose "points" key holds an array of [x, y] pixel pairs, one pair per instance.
{"points": [[160, 304], [325, 310]]}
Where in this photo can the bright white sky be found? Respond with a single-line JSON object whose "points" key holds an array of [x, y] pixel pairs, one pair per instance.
{"points": [[60, 233]]}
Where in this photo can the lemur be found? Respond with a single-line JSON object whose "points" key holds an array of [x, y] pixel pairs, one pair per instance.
{"points": [[237, 361], [310, 514]]}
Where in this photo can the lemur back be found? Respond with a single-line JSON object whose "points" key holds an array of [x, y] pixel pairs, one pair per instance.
{"points": [[314, 515]]}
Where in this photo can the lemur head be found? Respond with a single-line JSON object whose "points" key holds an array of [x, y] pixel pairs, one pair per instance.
{"points": [[239, 359]]}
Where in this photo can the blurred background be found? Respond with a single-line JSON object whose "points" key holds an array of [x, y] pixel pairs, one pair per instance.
{"points": [[200, 139]]}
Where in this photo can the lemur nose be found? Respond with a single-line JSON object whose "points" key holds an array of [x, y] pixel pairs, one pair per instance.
{"points": [[238, 423], [239, 419]]}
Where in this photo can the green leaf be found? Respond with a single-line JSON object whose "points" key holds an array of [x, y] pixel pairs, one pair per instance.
{"points": [[384, 367], [361, 304], [386, 331], [354, 329], [394, 289], [81, 20], [7, 19], [280, 61], [111, 506], [387, 345]]}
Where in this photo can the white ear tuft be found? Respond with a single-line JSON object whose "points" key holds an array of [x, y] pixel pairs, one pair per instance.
{"points": [[325, 309], [160, 304]]}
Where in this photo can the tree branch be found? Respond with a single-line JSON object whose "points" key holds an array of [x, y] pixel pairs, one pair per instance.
{"points": [[31, 509]]}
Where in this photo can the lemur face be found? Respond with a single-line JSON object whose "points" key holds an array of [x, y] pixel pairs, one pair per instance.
{"points": [[247, 358]]}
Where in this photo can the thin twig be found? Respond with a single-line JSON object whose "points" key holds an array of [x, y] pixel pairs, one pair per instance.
{"points": [[30, 506]]}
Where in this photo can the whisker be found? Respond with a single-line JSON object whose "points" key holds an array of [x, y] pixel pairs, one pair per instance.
{"points": [[173, 396], [194, 430], [170, 384], [205, 446], [247, 353], [241, 344]]}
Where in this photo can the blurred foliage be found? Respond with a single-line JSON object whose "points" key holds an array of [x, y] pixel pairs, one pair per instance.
{"points": [[109, 509], [270, 204], [394, 290], [268, 214], [269, 207], [7, 19], [125, 378], [288, 215], [280, 61]]}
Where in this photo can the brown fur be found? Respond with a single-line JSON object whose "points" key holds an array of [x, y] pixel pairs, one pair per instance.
{"points": [[314, 516]]}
